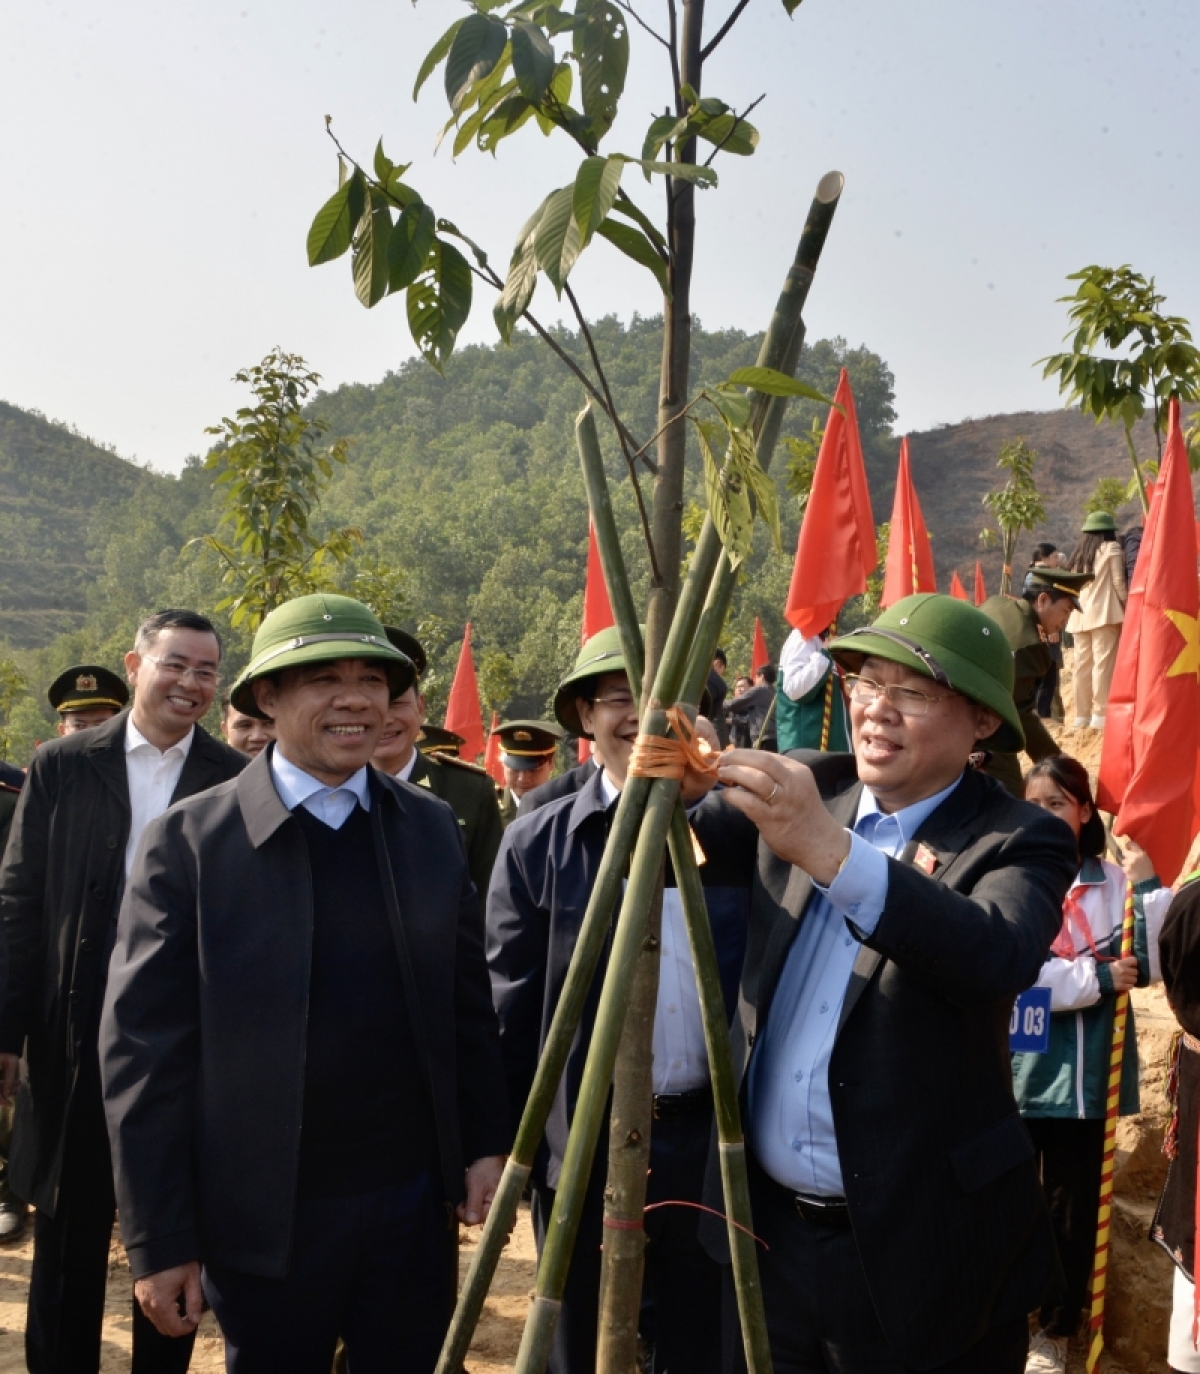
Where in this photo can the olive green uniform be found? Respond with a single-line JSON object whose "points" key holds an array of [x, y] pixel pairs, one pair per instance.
{"points": [[1031, 663], [471, 795], [508, 807]]}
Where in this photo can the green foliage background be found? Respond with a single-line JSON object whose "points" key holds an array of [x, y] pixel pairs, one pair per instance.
{"points": [[468, 492]]}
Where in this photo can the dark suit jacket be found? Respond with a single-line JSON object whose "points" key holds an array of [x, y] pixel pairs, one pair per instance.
{"points": [[60, 887], [202, 1042], [938, 1167], [565, 785], [471, 795]]}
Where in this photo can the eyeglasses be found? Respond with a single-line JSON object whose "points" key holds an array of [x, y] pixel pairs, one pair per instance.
{"points": [[909, 701], [176, 668], [618, 703]]}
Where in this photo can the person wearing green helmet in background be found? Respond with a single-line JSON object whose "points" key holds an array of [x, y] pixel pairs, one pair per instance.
{"points": [[903, 900], [300, 1056]]}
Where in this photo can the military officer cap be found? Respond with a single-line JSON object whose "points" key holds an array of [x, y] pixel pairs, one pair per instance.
{"points": [[1058, 580], [601, 654], [951, 642], [319, 628], [85, 687], [410, 646], [527, 744], [435, 739]]}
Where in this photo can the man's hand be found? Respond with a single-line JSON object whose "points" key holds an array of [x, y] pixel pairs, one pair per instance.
{"points": [[10, 1077], [698, 785], [483, 1178], [159, 1296], [780, 796], [1124, 973]]}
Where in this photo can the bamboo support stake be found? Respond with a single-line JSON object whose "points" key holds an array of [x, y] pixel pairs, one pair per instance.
{"points": [[1112, 1110]]}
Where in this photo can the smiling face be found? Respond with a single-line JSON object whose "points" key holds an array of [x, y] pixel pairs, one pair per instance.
{"points": [[612, 719], [328, 716], [247, 734], [904, 759], [1045, 792], [401, 726], [174, 679]]}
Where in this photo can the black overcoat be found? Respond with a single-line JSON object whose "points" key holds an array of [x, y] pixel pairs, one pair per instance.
{"points": [[202, 1041], [948, 1211], [60, 889]]}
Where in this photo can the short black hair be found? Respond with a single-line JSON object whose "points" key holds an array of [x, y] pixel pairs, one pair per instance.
{"points": [[767, 673], [1071, 777], [1043, 551], [149, 630], [1032, 593], [719, 657]]}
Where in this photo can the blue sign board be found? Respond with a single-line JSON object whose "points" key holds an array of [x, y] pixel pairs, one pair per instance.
{"points": [[1029, 1026]]}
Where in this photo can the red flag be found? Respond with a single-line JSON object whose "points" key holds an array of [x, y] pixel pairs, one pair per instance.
{"points": [[909, 566], [957, 590], [464, 715], [761, 657], [597, 609], [491, 755], [980, 589], [1148, 767], [836, 548]]}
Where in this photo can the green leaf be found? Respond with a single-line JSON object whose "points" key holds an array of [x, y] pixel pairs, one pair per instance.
{"points": [[791, 6], [730, 134], [727, 495], [625, 206], [487, 103], [333, 228], [409, 246], [683, 171], [661, 129], [522, 278], [446, 227], [370, 257], [383, 166], [474, 52], [532, 59], [636, 246], [733, 405], [559, 95], [761, 484], [556, 239], [772, 383], [505, 119], [435, 55], [439, 302], [596, 185], [601, 46]]}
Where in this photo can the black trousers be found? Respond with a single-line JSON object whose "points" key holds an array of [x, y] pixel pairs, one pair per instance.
{"points": [[820, 1317], [70, 1257], [370, 1269], [1070, 1153], [681, 1308]]}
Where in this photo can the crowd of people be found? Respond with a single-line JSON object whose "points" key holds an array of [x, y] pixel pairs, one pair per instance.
{"points": [[278, 999]]}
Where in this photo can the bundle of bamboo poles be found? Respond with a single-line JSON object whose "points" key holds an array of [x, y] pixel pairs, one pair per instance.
{"points": [[649, 819]]}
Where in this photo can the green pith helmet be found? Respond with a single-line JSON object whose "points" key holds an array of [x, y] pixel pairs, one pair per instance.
{"points": [[601, 654], [318, 629], [951, 642], [1099, 522]]}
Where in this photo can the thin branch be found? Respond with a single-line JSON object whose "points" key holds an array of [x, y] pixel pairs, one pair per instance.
{"points": [[734, 16], [637, 18], [733, 128], [629, 460]]}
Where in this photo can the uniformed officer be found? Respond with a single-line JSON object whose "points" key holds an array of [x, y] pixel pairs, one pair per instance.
{"points": [[86, 695], [527, 757], [436, 739], [467, 790], [247, 734], [1049, 597]]}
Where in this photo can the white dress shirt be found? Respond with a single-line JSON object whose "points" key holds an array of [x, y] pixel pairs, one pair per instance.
{"points": [[680, 1054], [407, 771], [333, 805], [152, 775]]}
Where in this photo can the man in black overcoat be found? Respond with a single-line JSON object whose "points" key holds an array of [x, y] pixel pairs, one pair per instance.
{"points": [[77, 826], [902, 901], [300, 1056]]}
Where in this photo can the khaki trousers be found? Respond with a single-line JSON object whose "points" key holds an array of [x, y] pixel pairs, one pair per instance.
{"points": [[1095, 658]]}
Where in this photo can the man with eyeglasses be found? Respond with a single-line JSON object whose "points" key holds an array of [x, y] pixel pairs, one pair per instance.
{"points": [[903, 900], [82, 811], [540, 888]]}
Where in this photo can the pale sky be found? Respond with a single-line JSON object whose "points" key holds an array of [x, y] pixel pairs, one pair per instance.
{"points": [[162, 163]]}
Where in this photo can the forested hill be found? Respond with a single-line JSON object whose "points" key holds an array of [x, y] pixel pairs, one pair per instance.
{"points": [[468, 493]]}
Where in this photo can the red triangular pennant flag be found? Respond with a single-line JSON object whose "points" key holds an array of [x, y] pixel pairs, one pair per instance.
{"points": [[491, 755], [760, 657], [463, 713], [957, 590], [909, 566], [980, 589], [835, 552], [597, 609], [1148, 768]]}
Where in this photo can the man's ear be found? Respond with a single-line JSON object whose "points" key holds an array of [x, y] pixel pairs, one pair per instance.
{"points": [[421, 706], [987, 722], [132, 662], [587, 713], [265, 694]]}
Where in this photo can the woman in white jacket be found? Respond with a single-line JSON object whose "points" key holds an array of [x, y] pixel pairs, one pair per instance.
{"points": [[1096, 625]]}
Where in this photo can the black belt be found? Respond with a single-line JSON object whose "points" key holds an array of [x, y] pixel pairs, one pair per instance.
{"points": [[669, 1105], [818, 1211]]}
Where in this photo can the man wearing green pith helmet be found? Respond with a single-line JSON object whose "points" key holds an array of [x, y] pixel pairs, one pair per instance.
{"points": [[903, 900], [300, 1057]]}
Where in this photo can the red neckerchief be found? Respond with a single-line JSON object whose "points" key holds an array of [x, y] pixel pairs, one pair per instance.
{"points": [[1075, 916]]}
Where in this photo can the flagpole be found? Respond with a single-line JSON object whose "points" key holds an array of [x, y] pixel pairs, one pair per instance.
{"points": [[1108, 1162]]}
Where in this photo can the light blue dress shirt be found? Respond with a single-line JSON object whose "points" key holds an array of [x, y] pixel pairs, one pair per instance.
{"points": [[333, 805], [791, 1117]]}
